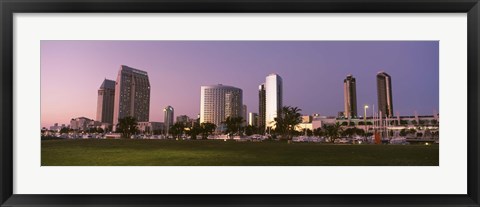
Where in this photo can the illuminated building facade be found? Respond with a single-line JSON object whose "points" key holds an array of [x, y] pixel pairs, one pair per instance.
{"points": [[132, 95], [218, 102], [168, 113], [273, 99]]}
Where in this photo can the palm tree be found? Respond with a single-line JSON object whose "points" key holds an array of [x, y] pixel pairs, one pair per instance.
{"points": [[349, 132], [318, 132], [250, 129], [207, 129], [177, 129], [233, 125], [64, 130], [194, 130], [127, 126], [359, 131], [333, 131], [286, 120]]}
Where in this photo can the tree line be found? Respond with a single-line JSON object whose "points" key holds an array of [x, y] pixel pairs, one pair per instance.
{"points": [[288, 118]]}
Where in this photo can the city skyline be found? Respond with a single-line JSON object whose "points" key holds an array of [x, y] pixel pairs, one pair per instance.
{"points": [[312, 73]]}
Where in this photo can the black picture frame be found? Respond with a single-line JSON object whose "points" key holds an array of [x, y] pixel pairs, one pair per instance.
{"points": [[10, 7]]}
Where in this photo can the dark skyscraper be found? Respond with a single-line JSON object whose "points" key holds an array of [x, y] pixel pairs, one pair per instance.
{"points": [[105, 101], [261, 105], [350, 97], [384, 94]]}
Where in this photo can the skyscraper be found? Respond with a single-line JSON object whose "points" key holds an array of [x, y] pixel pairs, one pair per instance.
{"points": [[273, 99], [261, 105], [105, 101], [244, 115], [132, 95], [168, 113], [218, 102], [252, 119], [350, 97], [384, 94]]}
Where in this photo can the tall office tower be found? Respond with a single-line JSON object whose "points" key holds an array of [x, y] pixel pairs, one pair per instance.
{"points": [[261, 105], [105, 101], [384, 94], [168, 113], [244, 115], [217, 102], [252, 119], [132, 95], [273, 99], [350, 97]]}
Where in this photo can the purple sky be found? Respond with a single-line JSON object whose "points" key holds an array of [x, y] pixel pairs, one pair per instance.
{"points": [[312, 72]]}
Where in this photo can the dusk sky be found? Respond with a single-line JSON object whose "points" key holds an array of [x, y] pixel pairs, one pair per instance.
{"points": [[312, 73]]}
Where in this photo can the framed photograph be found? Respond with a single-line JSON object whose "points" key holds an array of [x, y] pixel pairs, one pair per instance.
{"points": [[239, 103]]}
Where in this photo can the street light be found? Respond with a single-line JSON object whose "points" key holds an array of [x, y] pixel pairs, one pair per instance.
{"points": [[365, 118]]}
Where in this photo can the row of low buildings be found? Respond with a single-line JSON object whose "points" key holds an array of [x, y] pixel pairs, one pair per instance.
{"points": [[395, 123], [84, 124]]}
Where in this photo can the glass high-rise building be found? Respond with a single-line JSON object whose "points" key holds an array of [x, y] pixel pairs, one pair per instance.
{"points": [[105, 101], [261, 105], [217, 102], [168, 113], [350, 97], [245, 114], [273, 99], [384, 94], [132, 95]]}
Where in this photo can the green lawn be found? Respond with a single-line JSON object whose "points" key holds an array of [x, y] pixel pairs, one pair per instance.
{"points": [[99, 152]]}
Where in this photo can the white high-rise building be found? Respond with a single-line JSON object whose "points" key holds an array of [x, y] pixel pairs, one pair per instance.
{"points": [[274, 99], [132, 95], [252, 119], [168, 113], [218, 102]]}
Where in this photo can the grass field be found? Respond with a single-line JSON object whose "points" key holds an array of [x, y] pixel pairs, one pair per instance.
{"points": [[99, 152]]}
